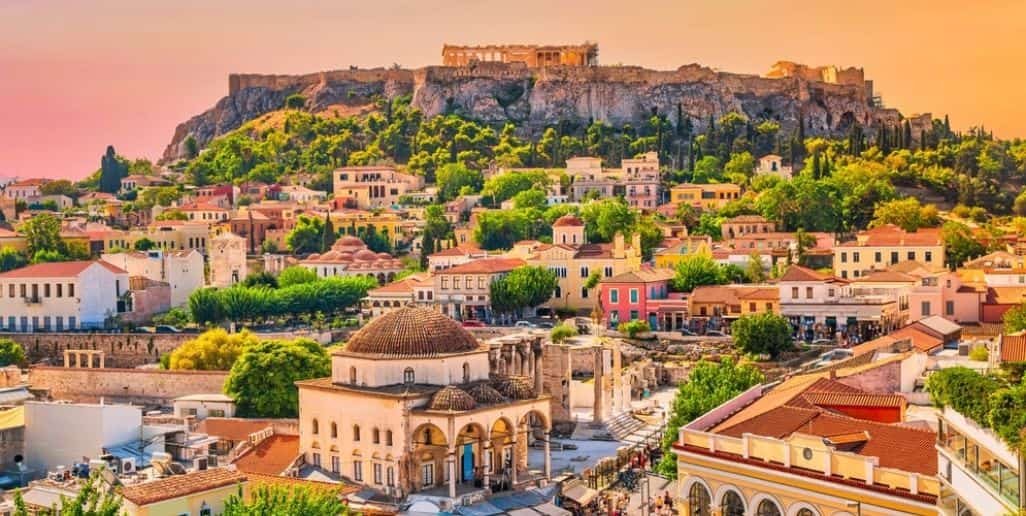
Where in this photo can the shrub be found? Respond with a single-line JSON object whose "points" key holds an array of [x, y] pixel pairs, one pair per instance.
{"points": [[562, 332], [632, 328], [979, 354]]}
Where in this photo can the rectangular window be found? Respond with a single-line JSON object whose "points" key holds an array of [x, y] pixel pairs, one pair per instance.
{"points": [[481, 283], [926, 308], [855, 257], [10, 290], [808, 292], [316, 459], [830, 292], [335, 464], [46, 290], [584, 272], [71, 290], [877, 256], [584, 293], [949, 308], [608, 272], [614, 295], [634, 315], [911, 255], [844, 274], [358, 470], [894, 257], [751, 307], [844, 257], [377, 473], [634, 295], [794, 292], [928, 256], [427, 475], [60, 290], [24, 290]]}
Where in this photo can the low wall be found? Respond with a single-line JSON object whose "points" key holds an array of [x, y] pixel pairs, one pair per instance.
{"points": [[142, 386], [121, 349]]}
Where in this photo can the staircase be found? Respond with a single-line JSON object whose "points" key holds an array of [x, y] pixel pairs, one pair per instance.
{"points": [[624, 427]]}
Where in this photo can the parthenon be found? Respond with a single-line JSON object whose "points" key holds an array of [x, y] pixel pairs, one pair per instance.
{"points": [[534, 56]]}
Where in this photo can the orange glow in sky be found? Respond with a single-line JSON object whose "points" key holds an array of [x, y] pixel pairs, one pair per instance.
{"points": [[77, 75]]}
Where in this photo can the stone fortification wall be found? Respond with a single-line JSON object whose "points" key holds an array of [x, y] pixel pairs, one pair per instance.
{"points": [[142, 386], [121, 349]]}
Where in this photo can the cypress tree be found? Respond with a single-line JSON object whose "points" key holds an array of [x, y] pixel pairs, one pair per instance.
{"points": [[908, 135], [111, 171], [947, 127], [328, 233], [817, 167], [427, 247]]}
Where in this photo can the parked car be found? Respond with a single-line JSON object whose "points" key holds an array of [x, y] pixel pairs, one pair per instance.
{"points": [[471, 323], [714, 333], [547, 325], [524, 324], [165, 328]]}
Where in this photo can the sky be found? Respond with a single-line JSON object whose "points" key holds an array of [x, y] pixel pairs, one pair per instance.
{"points": [[78, 75]]}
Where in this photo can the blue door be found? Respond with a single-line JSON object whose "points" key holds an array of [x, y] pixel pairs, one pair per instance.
{"points": [[468, 462]]}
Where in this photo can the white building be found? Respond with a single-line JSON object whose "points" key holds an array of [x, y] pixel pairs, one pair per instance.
{"points": [[182, 270], [773, 164], [60, 434], [227, 260], [979, 473], [61, 296], [202, 406]]}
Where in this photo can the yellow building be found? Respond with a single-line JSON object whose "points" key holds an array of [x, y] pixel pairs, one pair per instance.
{"points": [[707, 196], [733, 301], [879, 248], [811, 446], [174, 235], [351, 221], [200, 492], [573, 260], [688, 246]]}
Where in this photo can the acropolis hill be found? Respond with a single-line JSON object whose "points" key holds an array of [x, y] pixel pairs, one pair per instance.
{"points": [[537, 86]]}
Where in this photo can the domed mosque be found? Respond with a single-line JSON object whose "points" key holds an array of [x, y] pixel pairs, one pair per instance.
{"points": [[411, 407], [349, 256]]}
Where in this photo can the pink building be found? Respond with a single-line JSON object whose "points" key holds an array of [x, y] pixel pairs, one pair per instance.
{"points": [[942, 293], [642, 295]]}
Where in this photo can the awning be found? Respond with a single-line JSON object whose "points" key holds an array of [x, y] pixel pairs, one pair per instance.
{"points": [[580, 494], [552, 510]]}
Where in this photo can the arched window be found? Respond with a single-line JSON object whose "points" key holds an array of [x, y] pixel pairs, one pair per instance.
{"points": [[356, 432], [767, 508], [427, 436], [352, 375], [408, 376], [388, 437], [316, 427], [334, 430], [699, 500], [376, 436], [732, 504], [805, 512], [466, 372]]}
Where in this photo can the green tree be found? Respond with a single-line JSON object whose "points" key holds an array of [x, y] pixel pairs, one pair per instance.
{"points": [[695, 271], [907, 214], [295, 275], [306, 236], [1015, 319], [262, 380], [453, 177], [708, 385], [562, 332], [605, 218], [92, 499], [533, 198], [959, 244], [11, 353], [205, 306], [328, 234], [501, 229], [262, 278], [144, 244], [754, 271], [279, 500], [295, 101], [740, 167], [191, 147], [523, 287], [504, 186], [59, 187], [112, 170], [11, 259], [42, 232], [762, 333], [212, 350]]}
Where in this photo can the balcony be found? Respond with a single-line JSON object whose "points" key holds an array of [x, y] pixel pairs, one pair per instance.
{"points": [[32, 300]]}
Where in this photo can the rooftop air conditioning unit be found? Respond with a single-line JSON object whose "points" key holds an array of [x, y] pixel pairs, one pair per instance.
{"points": [[200, 463], [128, 466]]}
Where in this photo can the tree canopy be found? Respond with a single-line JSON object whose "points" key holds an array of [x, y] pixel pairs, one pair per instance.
{"points": [[262, 379], [697, 270], [523, 287], [762, 333], [212, 350], [279, 500]]}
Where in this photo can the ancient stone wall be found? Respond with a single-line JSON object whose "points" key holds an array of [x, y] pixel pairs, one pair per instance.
{"points": [[143, 386], [556, 380], [121, 349]]}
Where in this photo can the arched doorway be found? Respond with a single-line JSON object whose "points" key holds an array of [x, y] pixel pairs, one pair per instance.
{"points": [[768, 507], [469, 454], [699, 500], [430, 447], [500, 454], [534, 428]]}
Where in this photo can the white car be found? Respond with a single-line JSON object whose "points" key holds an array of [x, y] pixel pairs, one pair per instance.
{"points": [[524, 324]]}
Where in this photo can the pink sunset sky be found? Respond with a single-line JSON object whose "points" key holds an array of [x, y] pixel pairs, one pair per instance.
{"points": [[77, 75]]}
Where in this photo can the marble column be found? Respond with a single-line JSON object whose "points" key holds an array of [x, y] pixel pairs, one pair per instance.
{"points": [[548, 456], [67, 359], [539, 376], [451, 464], [598, 406], [487, 464]]}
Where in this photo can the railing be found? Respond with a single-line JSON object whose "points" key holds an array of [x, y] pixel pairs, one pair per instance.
{"points": [[802, 452]]}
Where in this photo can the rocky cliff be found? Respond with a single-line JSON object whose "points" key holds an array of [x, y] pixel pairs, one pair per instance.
{"points": [[536, 98]]}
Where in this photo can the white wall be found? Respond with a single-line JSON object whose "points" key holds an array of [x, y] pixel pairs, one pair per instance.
{"points": [[61, 434], [433, 371]]}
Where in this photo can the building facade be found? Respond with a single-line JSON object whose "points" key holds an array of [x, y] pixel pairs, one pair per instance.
{"points": [[62, 296]]}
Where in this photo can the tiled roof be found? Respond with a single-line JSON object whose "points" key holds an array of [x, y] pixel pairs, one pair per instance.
{"points": [[854, 399], [180, 485], [1013, 347], [1006, 295], [886, 276], [891, 235], [272, 456], [514, 387], [462, 250], [403, 286], [485, 266], [731, 294], [644, 275], [411, 332], [799, 273], [567, 220], [921, 340], [58, 270], [231, 429], [452, 398], [749, 219]]}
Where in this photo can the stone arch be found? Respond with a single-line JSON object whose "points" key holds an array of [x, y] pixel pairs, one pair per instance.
{"points": [[692, 483], [798, 506], [847, 120], [434, 436], [721, 497], [541, 418], [763, 505]]}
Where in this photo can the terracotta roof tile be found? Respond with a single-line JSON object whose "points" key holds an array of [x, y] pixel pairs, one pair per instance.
{"points": [[645, 275], [231, 429], [799, 273], [181, 485], [57, 270], [272, 456], [891, 235], [485, 266], [854, 399], [1013, 347], [411, 332], [452, 398]]}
